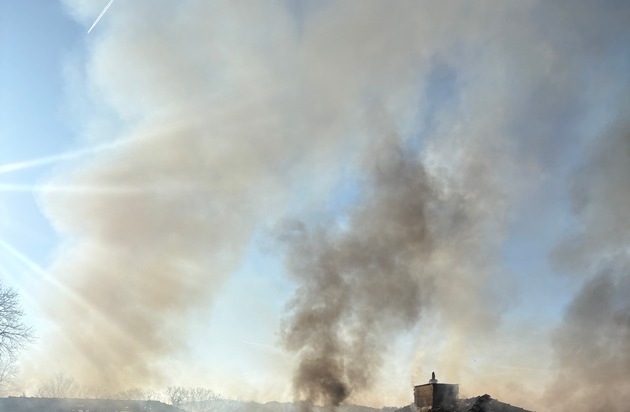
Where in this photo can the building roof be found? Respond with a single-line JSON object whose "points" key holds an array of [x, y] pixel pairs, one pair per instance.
{"points": [[440, 397]]}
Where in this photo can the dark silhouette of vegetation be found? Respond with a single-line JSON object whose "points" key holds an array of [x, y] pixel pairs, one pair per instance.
{"points": [[14, 333]]}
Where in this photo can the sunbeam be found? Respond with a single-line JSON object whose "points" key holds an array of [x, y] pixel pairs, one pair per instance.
{"points": [[34, 268], [113, 190], [70, 295], [72, 155], [46, 160]]}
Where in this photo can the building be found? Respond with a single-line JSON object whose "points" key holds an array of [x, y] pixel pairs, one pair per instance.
{"points": [[443, 397]]}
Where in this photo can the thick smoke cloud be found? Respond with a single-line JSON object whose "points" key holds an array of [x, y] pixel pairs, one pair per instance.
{"points": [[169, 208], [132, 270], [450, 118], [225, 109]]}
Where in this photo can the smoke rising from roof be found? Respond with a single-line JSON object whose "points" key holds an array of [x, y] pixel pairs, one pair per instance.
{"points": [[449, 119], [361, 285]]}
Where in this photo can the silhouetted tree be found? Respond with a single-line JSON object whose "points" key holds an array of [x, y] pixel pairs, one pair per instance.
{"points": [[191, 397], [58, 386], [14, 333], [8, 370], [175, 395]]}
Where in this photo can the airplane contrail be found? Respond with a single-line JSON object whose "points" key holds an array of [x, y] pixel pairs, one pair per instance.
{"points": [[260, 345], [100, 15]]}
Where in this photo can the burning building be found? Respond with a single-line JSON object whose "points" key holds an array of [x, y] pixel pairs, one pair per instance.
{"points": [[444, 397]]}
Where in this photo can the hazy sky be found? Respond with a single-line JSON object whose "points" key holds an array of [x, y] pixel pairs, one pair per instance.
{"points": [[323, 200]]}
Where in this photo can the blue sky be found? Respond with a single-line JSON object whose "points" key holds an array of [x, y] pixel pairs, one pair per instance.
{"points": [[152, 171], [37, 40]]}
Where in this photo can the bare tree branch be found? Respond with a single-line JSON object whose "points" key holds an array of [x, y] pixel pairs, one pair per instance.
{"points": [[8, 370], [14, 334], [58, 386]]}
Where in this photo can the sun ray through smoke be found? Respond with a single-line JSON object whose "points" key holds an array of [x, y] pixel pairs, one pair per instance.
{"points": [[114, 190], [77, 154], [51, 282]]}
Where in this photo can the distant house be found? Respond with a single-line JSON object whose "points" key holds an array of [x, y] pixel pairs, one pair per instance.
{"points": [[24, 404], [442, 397]]}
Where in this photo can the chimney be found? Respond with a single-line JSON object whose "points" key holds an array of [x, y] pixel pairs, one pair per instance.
{"points": [[434, 395]]}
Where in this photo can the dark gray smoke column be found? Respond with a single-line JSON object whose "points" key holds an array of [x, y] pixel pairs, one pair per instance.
{"points": [[359, 285], [592, 345]]}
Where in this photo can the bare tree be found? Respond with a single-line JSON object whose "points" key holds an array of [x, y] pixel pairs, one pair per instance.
{"points": [[59, 386], [8, 370], [192, 398], [176, 395], [134, 394], [152, 394], [14, 333]]}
